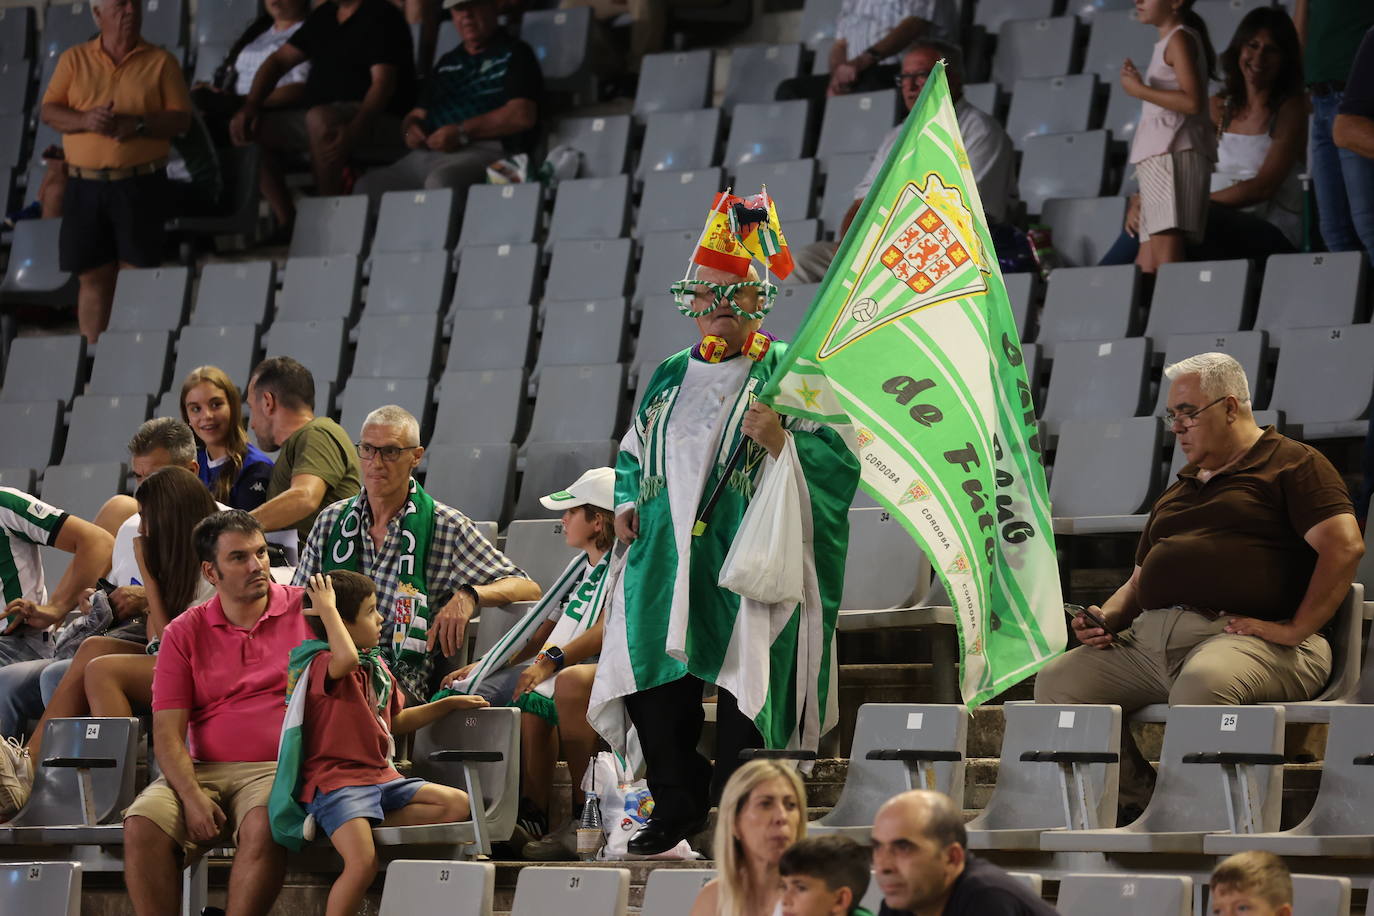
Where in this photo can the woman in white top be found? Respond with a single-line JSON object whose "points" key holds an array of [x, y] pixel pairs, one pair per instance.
{"points": [[762, 812]]}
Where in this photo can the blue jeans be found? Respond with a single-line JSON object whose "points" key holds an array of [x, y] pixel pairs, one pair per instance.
{"points": [[21, 697], [1343, 182]]}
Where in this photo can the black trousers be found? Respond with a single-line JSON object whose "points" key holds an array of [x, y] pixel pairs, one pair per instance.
{"points": [[813, 86], [669, 719]]}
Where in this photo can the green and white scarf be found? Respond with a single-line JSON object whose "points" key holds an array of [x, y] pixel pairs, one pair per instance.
{"points": [[406, 648]]}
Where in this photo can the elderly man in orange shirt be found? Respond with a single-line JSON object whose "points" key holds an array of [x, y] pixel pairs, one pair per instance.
{"points": [[117, 101]]}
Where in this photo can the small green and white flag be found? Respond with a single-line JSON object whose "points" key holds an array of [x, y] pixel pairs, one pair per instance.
{"points": [[911, 342]]}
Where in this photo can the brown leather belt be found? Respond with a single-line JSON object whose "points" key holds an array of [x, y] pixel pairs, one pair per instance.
{"points": [[132, 171]]}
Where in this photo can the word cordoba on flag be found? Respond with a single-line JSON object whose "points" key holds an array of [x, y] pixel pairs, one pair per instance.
{"points": [[911, 344]]}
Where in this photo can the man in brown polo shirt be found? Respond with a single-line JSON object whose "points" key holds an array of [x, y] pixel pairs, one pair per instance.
{"points": [[117, 102], [1242, 562]]}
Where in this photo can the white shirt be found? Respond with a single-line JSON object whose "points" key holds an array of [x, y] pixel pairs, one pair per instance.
{"points": [[123, 563], [258, 50], [862, 23]]}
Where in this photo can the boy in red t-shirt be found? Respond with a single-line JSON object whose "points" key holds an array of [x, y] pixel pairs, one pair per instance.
{"points": [[353, 707]]}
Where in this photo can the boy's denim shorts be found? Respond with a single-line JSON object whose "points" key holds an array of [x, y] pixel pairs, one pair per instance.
{"points": [[332, 809]]}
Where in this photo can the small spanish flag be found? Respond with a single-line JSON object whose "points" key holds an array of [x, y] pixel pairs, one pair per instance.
{"points": [[740, 229]]}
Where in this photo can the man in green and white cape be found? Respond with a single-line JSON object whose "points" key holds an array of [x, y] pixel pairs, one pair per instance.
{"points": [[671, 629]]}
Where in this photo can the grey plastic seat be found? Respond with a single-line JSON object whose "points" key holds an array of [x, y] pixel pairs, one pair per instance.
{"points": [[842, 175], [604, 143], [1062, 165], [1084, 227], [1125, 895], [539, 891], [131, 362], [1097, 380], [1058, 769], [767, 132], [424, 220], [1250, 349], [155, 299], [857, 123], [319, 287], [662, 332], [1103, 470], [1205, 749], [756, 70], [588, 269], [1222, 16], [986, 97], [233, 348], [417, 282], [990, 14], [665, 259], [1034, 47], [1321, 895], [491, 338], [101, 425], [591, 208], [31, 433], [11, 139], [537, 545], [361, 396], [1089, 303], [1021, 293], [499, 213], [224, 22], [818, 21], [897, 747], [677, 200], [22, 479], [1050, 105], [16, 33], [562, 40], [316, 345], [496, 276], [1324, 380], [802, 232], [672, 891], [14, 90], [164, 24], [1312, 290], [790, 308], [238, 292], [81, 489], [478, 480], [790, 182], [33, 276], [329, 226], [584, 332], [1116, 35], [44, 368], [481, 405], [64, 25], [676, 141], [397, 346], [1122, 115], [550, 465], [50, 888], [578, 404], [420, 886], [1199, 297], [674, 81], [68, 797]]}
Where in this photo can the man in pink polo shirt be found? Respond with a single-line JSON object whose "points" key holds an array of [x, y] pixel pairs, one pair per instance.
{"points": [[218, 703]]}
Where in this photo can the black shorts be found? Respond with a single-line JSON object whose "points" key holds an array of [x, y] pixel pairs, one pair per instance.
{"points": [[108, 221]]}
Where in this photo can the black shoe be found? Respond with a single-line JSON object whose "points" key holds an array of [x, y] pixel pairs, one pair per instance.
{"points": [[658, 836]]}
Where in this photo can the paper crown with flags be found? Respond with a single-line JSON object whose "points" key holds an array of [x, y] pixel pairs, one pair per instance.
{"points": [[738, 231]]}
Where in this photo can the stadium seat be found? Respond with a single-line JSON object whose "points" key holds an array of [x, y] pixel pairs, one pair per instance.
{"points": [[1324, 380], [80, 489], [502, 213], [1121, 116], [540, 891], [578, 404], [674, 81], [16, 33], [1022, 291], [986, 97], [857, 123], [329, 226], [45, 368], [1116, 35], [1084, 228], [409, 283], [481, 405], [496, 276], [537, 545], [591, 208], [1045, 750], [672, 891], [478, 480], [131, 362], [767, 132], [1125, 895], [1034, 47], [425, 220], [1104, 470], [223, 22], [588, 269], [603, 142], [662, 332], [31, 433], [156, 299], [240, 168], [897, 747], [818, 21], [319, 287], [64, 25], [990, 14], [756, 71], [1200, 297], [33, 276], [1312, 290], [562, 41], [676, 141], [1222, 17], [584, 332], [361, 396], [316, 345], [233, 348], [1050, 105], [1097, 380], [1321, 895], [802, 232], [820, 60], [789, 184], [11, 139], [238, 292], [677, 200], [209, 56], [1250, 349], [551, 466], [1089, 303], [491, 338], [1087, 10], [397, 346], [1242, 746], [842, 174], [21, 479], [790, 308], [1062, 165], [666, 258], [425, 886], [50, 888], [101, 425], [164, 24], [14, 96]]}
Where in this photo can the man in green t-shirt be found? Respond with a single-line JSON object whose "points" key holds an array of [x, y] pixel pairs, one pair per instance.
{"points": [[316, 462]]}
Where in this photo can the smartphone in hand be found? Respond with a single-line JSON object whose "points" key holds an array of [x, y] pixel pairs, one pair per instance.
{"points": [[1074, 610]]}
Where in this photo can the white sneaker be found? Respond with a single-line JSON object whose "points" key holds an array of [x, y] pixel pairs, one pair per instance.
{"points": [[558, 845], [16, 778]]}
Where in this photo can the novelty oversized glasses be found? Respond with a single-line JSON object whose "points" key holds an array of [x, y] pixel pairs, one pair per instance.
{"points": [[687, 292]]}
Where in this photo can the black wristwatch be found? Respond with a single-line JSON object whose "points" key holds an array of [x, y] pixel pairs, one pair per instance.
{"points": [[555, 655]]}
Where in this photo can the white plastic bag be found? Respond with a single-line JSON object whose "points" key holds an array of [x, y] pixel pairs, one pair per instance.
{"points": [[625, 807], [765, 560]]}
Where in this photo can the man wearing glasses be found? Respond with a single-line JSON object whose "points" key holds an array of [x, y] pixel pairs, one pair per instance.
{"points": [[433, 568], [1241, 564]]}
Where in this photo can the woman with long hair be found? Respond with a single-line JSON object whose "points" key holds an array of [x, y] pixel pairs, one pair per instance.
{"points": [[235, 470], [762, 812]]}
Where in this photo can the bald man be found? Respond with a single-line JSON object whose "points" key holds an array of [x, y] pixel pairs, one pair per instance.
{"points": [[922, 867]]}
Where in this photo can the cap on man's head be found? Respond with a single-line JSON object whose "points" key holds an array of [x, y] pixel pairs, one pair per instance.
{"points": [[594, 488]]}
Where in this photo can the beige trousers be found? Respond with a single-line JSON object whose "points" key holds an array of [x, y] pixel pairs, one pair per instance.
{"points": [[1181, 658]]}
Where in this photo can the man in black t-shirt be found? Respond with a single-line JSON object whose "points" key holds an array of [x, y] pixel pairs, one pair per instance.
{"points": [[481, 103], [923, 869], [362, 79]]}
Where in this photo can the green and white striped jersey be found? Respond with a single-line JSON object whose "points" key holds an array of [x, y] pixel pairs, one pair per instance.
{"points": [[27, 523]]}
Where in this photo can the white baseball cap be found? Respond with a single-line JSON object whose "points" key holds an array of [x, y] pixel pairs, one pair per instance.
{"points": [[594, 488]]}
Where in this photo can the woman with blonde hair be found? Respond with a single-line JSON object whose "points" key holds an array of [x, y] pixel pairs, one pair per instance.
{"points": [[762, 812], [235, 470]]}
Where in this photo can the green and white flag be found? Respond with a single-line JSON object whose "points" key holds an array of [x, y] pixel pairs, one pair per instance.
{"points": [[911, 341]]}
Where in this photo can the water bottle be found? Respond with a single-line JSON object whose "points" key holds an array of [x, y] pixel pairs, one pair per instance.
{"points": [[589, 835]]}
